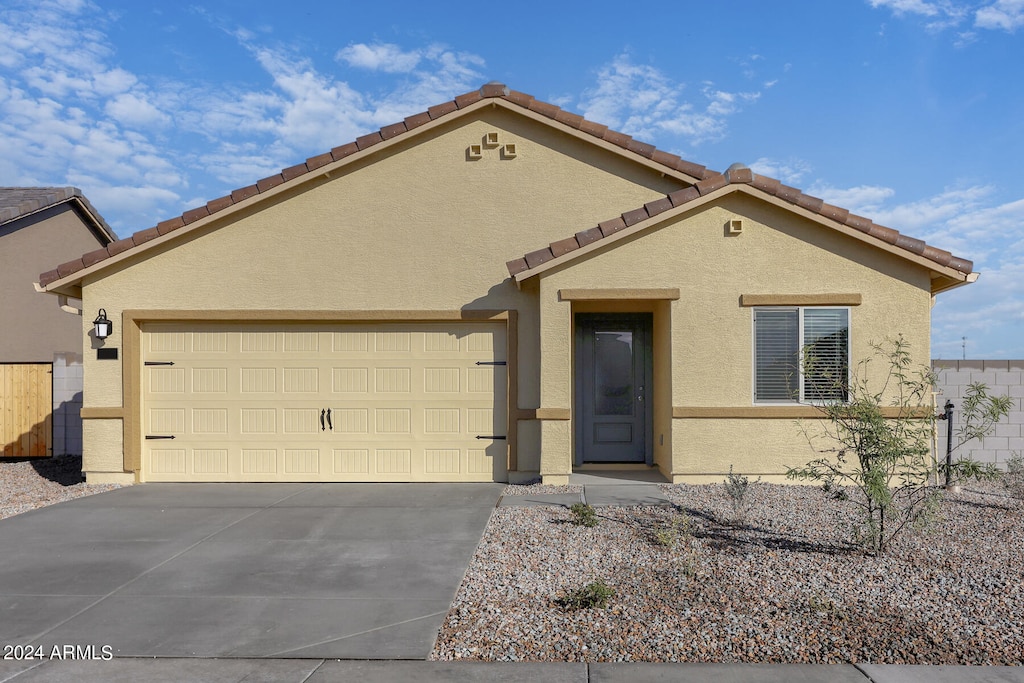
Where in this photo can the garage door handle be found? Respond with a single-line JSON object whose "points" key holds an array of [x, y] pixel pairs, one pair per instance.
{"points": [[492, 436], [329, 424], [322, 428]]}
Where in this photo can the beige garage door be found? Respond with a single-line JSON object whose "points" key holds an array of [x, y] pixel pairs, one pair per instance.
{"points": [[340, 402]]}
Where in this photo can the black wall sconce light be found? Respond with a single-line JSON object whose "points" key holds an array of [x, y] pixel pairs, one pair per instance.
{"points": [[102, 326]]}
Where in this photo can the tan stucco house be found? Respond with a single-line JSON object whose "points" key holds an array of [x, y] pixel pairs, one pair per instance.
{"points": [[487, 291], [41, 346]]}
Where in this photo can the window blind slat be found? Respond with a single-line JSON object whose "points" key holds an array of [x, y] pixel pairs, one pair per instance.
{"points": [[778, 345], [777, 348], [826, 339]]}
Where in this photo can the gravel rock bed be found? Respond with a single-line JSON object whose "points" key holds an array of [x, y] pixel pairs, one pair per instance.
{"points": [[29, 484], [781, 586], [535, 488]]}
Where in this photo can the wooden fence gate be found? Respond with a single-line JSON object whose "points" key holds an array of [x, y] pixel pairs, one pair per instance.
{"points": [[26, 410]]}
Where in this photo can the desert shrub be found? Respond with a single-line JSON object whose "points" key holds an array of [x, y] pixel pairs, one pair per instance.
{"points": [[881, 438], [583, 515], [594, 595], [677, 531], [736, 488]]}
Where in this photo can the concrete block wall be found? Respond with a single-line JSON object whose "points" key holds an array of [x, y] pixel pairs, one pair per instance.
{"points": [[67, 404], [1002, 377]]}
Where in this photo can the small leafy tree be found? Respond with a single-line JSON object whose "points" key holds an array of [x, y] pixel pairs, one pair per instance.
{"points": [[881, 439]]}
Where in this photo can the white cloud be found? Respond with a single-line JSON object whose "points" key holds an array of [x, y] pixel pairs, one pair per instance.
{"points": [[384, 57], [922, 7], [865, 200], [146, 202], [1007, 15], [70, 113], [970, 222], [990, 313], [643, 102], [133, 109], [789, 171]]}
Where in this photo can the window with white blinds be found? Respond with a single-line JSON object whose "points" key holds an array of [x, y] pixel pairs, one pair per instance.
{"points": [[801, 354]]}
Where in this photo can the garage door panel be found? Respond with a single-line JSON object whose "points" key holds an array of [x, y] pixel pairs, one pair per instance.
{"points": [[406, 402]]}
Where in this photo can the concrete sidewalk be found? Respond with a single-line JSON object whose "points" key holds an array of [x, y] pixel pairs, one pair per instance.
{"points": [[315, 671], [602, 488]]}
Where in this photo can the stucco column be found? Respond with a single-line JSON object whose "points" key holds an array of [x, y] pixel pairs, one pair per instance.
{"points": [[555, 385]]}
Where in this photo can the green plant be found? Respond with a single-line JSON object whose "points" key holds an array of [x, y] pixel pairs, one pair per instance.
{"points": [[583, 515], [677, 531], [688, 565], [594, 595], [819, 602], [881, 440], [1013, 478], [736, 488]]}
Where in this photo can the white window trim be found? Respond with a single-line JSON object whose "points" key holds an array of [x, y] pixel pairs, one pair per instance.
{"points": [[800, 325]]}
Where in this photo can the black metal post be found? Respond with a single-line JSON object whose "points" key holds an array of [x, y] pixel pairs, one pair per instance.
{"points": [[948, 417]]}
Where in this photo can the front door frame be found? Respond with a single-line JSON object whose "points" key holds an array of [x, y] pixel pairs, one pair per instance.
{"points": [[644, 323]]}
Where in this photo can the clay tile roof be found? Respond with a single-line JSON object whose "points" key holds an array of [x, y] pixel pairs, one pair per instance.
{"points": [[612, 226], [707, 181], [489, 90], [170, 224], [18, 202], [564, 246], [741, 175]]}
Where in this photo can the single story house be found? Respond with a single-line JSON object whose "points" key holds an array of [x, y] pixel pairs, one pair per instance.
{"points": [[490, 290], [41, 346]]}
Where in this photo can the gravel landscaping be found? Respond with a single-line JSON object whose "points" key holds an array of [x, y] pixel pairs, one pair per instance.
{"points": [[29, 484], [692, 583], [780, 585]]}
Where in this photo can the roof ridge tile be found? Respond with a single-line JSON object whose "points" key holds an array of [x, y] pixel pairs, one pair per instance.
{"points": [[466, 99], [544, 108], [715, 182], [635, 216], [707, 181], [612, 226], [164, 227], [564, 246], [739, 174]]}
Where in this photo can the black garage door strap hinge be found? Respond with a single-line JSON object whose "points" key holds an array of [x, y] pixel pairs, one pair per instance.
{"points": [[491, 362], [492, 436], [151, 437], [159, 362]]}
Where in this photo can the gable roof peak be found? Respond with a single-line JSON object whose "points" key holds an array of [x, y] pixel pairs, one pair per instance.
{"points": [[736, 176], [18, 202], [739, 173], [493, 90]]}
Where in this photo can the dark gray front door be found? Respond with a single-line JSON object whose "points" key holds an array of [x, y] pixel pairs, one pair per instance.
{"points": [[613, 376]]}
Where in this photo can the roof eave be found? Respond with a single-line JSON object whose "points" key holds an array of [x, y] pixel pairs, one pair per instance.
{"points": [[97, 223], [944, 282], [954, 277], [168, 231]]}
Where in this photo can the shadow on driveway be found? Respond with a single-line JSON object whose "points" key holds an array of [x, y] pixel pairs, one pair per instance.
{"points": [[242, 570]]}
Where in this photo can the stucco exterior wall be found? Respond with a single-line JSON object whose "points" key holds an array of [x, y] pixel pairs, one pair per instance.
{"points": [[35, 327], [419, 227], [778, 253]]}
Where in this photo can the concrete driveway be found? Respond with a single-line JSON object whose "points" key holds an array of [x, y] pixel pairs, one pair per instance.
{"points": [[242, 570]]}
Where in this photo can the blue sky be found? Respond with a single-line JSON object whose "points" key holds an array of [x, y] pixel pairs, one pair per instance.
{"points": [[910, 112]]}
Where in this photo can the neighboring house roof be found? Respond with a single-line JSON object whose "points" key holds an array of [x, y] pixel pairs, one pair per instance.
{"points": [[701, 180], [19, 202], [952, 270]]}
